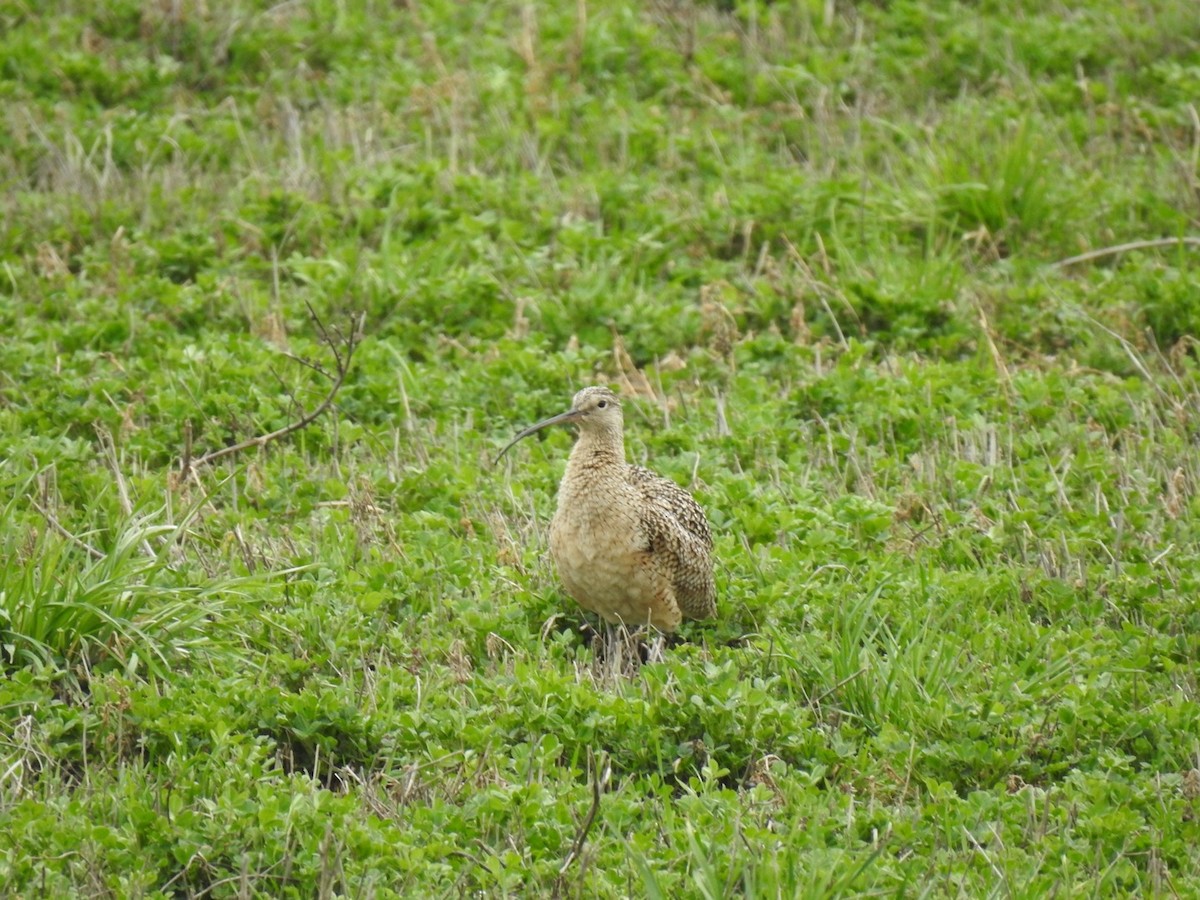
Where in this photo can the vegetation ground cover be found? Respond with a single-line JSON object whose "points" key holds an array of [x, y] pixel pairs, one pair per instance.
{"points": [[850, 262]]}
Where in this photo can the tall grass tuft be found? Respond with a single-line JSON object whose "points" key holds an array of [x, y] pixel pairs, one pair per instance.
{"points": [[127, 608]]}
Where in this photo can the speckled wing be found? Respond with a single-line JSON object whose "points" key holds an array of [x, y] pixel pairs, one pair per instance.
{"points": [[678, 531]]}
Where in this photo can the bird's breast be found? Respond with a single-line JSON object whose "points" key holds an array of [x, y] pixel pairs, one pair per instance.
{"points": [[595, 524]]}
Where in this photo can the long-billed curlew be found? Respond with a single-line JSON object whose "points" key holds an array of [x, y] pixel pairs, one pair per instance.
{"points": [[629, 545]]}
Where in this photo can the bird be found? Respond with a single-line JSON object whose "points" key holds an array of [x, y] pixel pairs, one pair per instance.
{"points": [[629, 545]]}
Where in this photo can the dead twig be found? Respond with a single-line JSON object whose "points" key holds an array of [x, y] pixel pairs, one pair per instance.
{"points": [[58, 526], [343, 352], [185, 464], [1134, 357], [1121, 248], [837, 687], [109, 446], [599, 782]]}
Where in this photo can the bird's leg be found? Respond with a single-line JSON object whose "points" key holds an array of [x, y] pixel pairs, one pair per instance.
{"points": [[604, 641], [619, 650], [613, 648], [590, 634], [654, 647]]}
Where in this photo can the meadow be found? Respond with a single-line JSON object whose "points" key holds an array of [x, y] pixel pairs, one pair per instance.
{"points": [[907, 293]]}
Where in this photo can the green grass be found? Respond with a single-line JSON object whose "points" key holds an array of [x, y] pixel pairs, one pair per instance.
{"points": [[953, 484]]}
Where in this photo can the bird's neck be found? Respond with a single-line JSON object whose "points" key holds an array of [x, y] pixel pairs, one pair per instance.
{"points": [[598, 451], [594, 479]]}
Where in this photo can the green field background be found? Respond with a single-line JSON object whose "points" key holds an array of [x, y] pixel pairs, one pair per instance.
{"points": [[905, 292]]}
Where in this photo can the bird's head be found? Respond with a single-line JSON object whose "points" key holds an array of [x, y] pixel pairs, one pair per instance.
{"points": [[595, 410]]}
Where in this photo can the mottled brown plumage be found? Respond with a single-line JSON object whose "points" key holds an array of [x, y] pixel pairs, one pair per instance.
{"points": [[629, 545]]}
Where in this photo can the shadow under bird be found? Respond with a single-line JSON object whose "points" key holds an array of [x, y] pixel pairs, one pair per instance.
{"points": [[629, 545]]}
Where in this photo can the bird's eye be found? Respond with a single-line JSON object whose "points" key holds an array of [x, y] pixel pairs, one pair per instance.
{"points": [[602, 404]]}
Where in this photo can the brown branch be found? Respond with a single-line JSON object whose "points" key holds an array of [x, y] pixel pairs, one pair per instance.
{"points": [[307, 363], [837, 687], [1121, 248], [342, 357], [186, 463], [58, 526], [599, 780], [1133, 358]]}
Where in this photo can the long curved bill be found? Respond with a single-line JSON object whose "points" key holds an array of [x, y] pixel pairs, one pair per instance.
{"points": [[569, 416]]}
